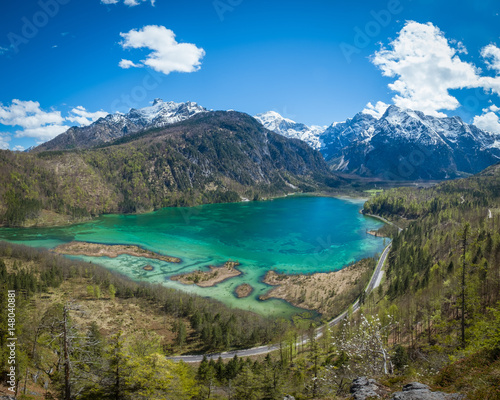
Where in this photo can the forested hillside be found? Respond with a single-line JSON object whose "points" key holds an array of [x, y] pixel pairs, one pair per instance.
{"points": [[442, 288], [211, 158]]}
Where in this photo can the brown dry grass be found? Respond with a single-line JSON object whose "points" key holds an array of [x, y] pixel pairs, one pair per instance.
{"points": [[209, 278], [107, 250], [128, 315], [243, 290], [319, 291]]}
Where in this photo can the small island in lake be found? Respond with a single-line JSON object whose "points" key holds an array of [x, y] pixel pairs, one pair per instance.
{"points": [[148, 268], [243, 290], [76, 248], [209, 278]]}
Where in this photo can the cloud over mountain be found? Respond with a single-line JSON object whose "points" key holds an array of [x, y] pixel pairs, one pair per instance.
{"points": [[37, 123], [426, 66]]}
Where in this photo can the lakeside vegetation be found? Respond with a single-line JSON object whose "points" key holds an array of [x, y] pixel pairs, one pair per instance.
{"points": [[112, 251], [329, 293], [211, 277]]}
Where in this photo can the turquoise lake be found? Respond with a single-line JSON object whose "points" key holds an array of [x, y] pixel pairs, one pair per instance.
{"points": [[296, 234]]}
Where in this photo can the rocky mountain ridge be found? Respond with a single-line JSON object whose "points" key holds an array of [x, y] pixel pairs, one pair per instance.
{"points": [[402, 144]]}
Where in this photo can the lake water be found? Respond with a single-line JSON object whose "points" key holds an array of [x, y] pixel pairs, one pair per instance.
{"points": [[296, 234]]}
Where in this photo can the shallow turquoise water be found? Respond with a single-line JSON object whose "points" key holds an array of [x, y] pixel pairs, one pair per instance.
{"points": [[296, 234]]}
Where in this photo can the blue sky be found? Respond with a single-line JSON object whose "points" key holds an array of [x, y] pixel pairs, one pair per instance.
{"points": [[67, 62]]}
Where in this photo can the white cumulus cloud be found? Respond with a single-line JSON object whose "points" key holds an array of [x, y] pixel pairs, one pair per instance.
{"points": [[35, 122], [489, 120], [4, 141], [28, 114], [39, 124], [426, 66], [42, 133], [126, 64], [167, 55], [83, 117], [376, 110], [491, 54]]}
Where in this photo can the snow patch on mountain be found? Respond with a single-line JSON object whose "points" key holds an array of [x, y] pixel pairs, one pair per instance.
{"points": [[113, 126], [291, 129]]}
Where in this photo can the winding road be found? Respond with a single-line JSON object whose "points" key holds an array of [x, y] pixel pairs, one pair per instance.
{"points": [[254, 351]]}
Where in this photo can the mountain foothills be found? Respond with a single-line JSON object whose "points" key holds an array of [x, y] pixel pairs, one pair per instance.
{"points": [[400, 145], [210, 157]]}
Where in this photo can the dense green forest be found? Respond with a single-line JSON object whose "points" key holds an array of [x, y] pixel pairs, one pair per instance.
{"points": [[212, 158]]}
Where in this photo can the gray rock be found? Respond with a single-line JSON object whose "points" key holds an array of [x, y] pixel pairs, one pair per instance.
{"points": [[419, 391], [288, 397], [362, 388]]}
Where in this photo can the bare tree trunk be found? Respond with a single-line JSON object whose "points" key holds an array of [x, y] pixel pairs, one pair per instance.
{"points": [[67, 385], [464, 245]]}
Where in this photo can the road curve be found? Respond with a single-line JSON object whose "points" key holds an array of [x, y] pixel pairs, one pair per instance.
{"points": [[254, 351]]}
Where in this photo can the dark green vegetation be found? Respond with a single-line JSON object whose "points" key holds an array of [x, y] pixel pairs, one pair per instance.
{"points": [[443, 278], [211, 158]]}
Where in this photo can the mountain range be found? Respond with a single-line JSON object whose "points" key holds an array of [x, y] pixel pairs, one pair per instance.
{"points": [[402, 144], [115, 126]]}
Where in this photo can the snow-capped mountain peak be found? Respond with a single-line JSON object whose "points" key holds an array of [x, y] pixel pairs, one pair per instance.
{"points": [[114, 126], [407, 144], [163, 113], [291, 129]]}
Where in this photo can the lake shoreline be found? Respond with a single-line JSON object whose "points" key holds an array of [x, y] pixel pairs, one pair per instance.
{"points": [[293, 234], [37, 223]]}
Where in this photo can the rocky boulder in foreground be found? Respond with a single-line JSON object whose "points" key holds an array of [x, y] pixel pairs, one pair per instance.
{"points": [[364, 388], [419, 391]]}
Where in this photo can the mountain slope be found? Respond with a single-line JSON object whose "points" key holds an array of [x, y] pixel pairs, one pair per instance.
{"points": [[114, 126], [212, 157]]}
